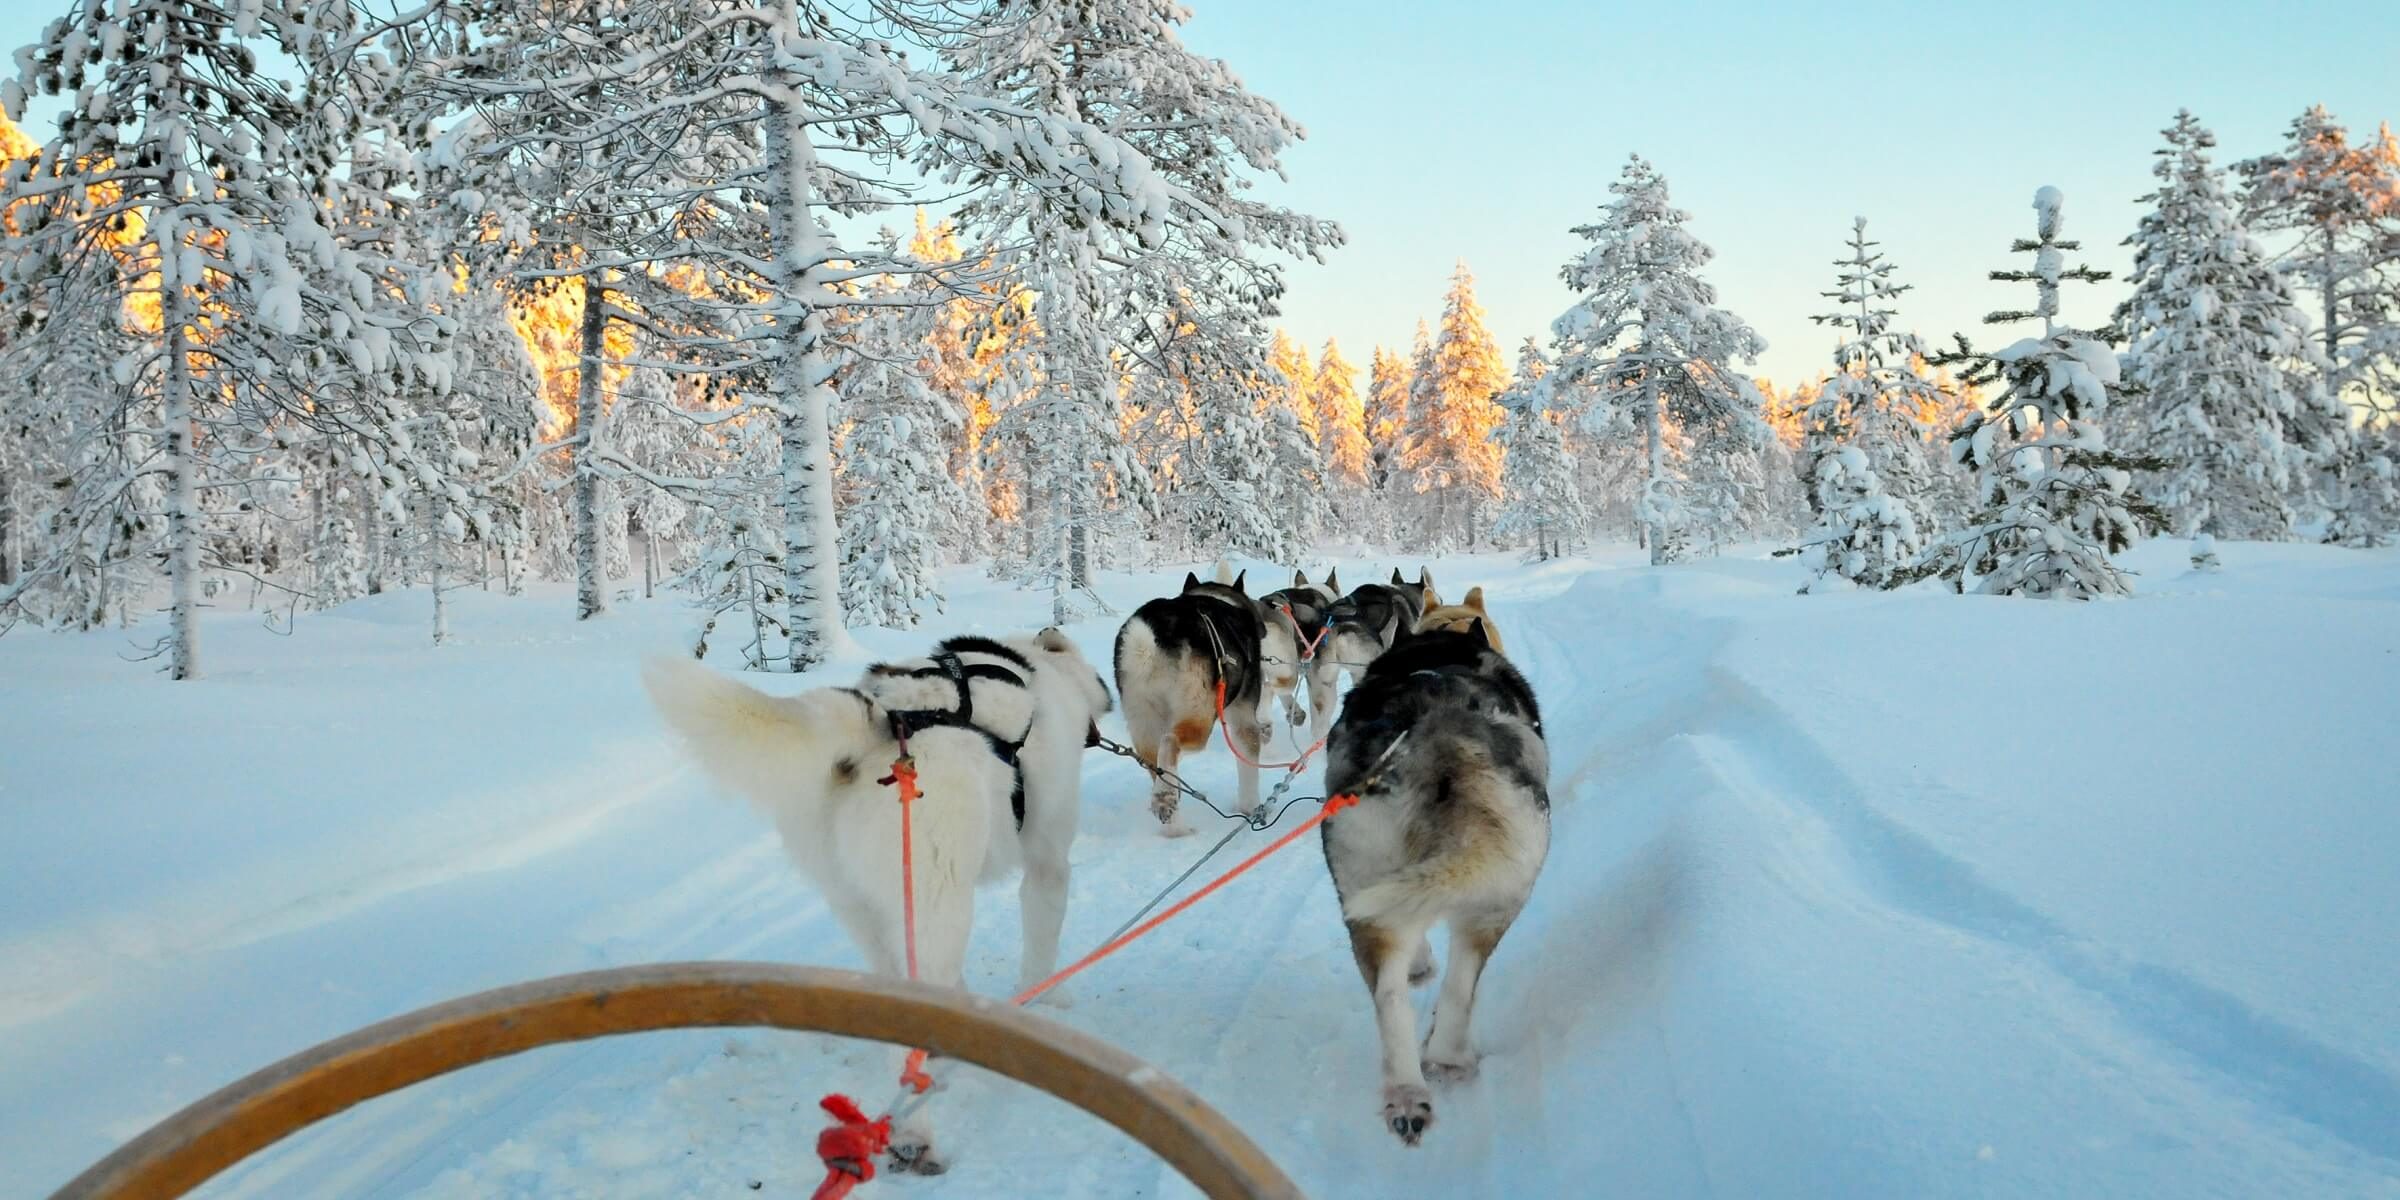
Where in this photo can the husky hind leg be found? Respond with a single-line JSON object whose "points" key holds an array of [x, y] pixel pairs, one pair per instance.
{"points": [[1449, 1055], [1383, 953]]}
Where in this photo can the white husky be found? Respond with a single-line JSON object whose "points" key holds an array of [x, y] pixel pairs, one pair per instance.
{"points": [[976, 712]]}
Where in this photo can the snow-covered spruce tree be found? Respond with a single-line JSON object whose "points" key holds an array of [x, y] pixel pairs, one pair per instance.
{"points": [[2341, 203], [1544, 501], [1348, 455], [2217, 359], [1644, 347], [275, 326], [1388, 386], [846, 125], [895, 469], [1224, 494], [1862, 534], [1194, 276], [1295, 490], [1341, 420], [1874, 505], [1447, 450], [1290, 363], [2057, 502]]}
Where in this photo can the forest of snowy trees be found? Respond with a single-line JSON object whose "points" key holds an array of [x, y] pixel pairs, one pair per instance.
{"points": [[782, 305]]}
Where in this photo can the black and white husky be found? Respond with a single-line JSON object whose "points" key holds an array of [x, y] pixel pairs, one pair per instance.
{"points": [[1172, 654], [1304, 608], [997, 730], [1442, 743], [1359, 627]]}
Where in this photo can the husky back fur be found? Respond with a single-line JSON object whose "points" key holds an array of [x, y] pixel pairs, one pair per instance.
{"points": [[1359, 627], [1172, 654], [1450, 829]]}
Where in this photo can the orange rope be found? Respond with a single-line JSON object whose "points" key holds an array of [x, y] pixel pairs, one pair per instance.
{"points": [[1293, 765], [904, 773], [1333, 804], [1308, 651]]}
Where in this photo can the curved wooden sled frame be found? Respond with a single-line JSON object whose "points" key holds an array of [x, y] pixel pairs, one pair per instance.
{"points": [[221, 1129]]}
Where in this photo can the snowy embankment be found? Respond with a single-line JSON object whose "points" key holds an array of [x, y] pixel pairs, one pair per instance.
{"points": [[1850, 895]]}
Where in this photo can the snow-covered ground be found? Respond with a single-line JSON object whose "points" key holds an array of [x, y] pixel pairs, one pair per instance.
{"points": [[1852, 895]]}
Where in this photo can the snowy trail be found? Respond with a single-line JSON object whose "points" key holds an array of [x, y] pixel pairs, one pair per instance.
{"points": [[1760, 961]]}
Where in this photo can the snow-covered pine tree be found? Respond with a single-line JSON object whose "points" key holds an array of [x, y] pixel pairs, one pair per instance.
{"points": [[2341, 203], [1389, 383], [2057, 502], [62, 420], [1341, 421], [558, 198], [1193, 275], [1874, 505], [1448, 452], [2217, 360], [846, 124], [1290, 362], [1645, 348], [1224, 494], [275, 326], [894, 466], [1544, 500], [1295, 488]]}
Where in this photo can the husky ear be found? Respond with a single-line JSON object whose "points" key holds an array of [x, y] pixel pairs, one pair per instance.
{"points": [[1474, 598], [1240, 583], [1482, 634], [1190, 581], [1053, 640], [1333, 581], [1424, 578], [1396, 580], [1299, 579]]}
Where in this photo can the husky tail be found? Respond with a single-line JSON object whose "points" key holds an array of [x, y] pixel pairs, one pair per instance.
{"points": [[770, 749]]}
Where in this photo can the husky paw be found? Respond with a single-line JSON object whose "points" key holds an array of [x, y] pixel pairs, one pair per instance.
{"points": [[1452, 1068], [1407, 1110], [1420, 968], [913, 1154], [1163, 807]]}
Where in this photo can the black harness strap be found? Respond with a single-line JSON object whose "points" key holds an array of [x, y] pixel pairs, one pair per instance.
{"points": [[906, 722]]}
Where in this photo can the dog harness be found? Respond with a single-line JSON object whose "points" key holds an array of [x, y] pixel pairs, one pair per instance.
{"points": [[906, 722]]}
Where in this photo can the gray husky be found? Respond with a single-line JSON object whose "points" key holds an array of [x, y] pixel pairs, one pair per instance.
{"points": [[1442, 744]]}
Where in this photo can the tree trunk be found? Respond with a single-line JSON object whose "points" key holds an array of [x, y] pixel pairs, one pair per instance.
{"points": [[1653, 530], [2333, 286], [183, 534], [591, 376], [8, 530], [438, 542], [811, 579]]}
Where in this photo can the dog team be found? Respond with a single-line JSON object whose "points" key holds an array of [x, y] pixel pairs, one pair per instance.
{"points": [[1438, 737]]}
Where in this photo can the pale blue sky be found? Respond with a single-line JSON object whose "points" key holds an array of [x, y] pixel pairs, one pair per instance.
{"points": [[1484, 131], [1442, 131]]}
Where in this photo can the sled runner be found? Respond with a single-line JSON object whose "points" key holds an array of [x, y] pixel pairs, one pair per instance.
{"points": [[219, 1130]]}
